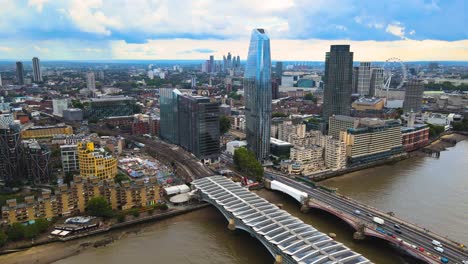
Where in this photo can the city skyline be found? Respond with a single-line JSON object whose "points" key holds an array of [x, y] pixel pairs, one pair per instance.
{"points": [[98, 29]]}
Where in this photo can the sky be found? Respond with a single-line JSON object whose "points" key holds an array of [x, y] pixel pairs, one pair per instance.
{"points": [[194, 29]]}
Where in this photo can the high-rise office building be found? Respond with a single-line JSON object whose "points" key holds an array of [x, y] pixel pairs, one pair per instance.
{"points": [[1, 83], [19, 73], [168, 129], [238, 64], [257, 89], [10, 149], [279, 69], [338, 81], [193, 81], [58, 105], [90, 81], [355, 78], [108, 106], [198, 120], [212, 66], [413, 96], [364, 78], [37, 73], [69, 154], [377, 81]]}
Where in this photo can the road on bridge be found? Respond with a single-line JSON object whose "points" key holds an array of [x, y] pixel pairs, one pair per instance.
{"points": [[409, 232]]}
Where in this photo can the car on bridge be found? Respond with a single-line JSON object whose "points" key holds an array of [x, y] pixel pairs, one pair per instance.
{"points": [[357, 212], [439, 249]]}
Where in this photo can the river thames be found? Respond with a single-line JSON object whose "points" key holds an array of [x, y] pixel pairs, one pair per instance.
{"points": [[429, 192]]}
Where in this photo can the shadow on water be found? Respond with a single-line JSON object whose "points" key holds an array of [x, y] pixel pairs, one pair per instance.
{"points": [[375, 249]]}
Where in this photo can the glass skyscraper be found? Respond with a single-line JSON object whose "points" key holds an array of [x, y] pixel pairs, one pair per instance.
{"points": [[199, 126], [168, 129], [257, 90], [19, 73], [338, 81]]}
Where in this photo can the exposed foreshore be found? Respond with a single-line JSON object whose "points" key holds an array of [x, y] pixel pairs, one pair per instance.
{"points": [[95, 237]]}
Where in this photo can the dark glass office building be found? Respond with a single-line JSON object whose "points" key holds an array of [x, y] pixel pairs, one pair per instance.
{"points": [[414, 91], [168, 128], [99, 108], [19, 73], [257, 91], [338, 81], [198, 124]]}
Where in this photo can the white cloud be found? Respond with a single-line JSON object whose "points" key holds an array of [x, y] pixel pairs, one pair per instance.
{"points": [[87, 16], [39, 4], [41, 49], [5, 49], [412, 32], [283, 49], [396, 29], [368, 21]]}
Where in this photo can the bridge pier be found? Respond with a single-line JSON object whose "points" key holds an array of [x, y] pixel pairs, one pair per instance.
{"points": [[359, 235], [305, 208], [278, 259], [232, 224]]}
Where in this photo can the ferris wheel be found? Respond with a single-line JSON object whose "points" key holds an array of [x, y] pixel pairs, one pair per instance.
{"points": [[395, 73]]}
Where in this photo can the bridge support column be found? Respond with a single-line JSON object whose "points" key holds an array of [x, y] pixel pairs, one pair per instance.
{"points": [[305, 208], [359, 235], [232, 224], [278, 259], [267, 183]]}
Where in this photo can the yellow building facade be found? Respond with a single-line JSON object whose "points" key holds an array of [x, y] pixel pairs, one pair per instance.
{"points": [[72, 200], [46, 131], [96, 162]]}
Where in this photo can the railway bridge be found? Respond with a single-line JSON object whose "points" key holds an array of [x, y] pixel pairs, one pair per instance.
{"points": [[287, 238]]}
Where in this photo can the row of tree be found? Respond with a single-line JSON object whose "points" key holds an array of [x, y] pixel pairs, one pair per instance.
{"points": [[18, 231], [446, 86], [246, 163]]}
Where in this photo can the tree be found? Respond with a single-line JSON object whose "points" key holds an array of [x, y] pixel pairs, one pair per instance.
{"points": [[460, 126], [246, 162], [77, 104], [279, 114], [224, 124], [15, 232], [98, 206], [31, 231], [311, 97], [120, 177], [68, 177], [435, 130], [3, 238], [42, 225]]}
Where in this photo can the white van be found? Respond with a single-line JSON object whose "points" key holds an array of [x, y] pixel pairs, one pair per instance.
{"points": [[439, 249], [436, 243]]}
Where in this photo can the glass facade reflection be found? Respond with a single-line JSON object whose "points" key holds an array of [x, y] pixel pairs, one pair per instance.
{"points": [[257, 91], [169, 116]]}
